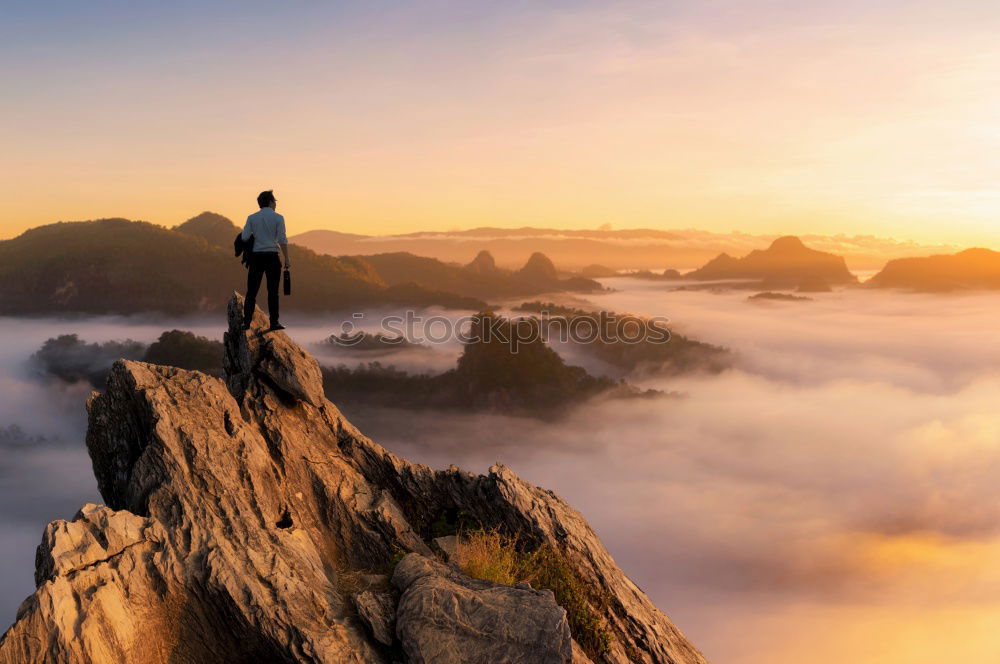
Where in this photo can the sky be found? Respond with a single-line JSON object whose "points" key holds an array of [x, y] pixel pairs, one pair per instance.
{"points": [[763, 116]]}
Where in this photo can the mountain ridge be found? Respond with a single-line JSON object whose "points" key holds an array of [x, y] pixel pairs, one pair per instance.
{"points": [[91, 267], [626, 249], [477, 279], [970, 269]]}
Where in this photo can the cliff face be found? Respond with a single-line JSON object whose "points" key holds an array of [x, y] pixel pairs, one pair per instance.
{"points": [[248, 521]]}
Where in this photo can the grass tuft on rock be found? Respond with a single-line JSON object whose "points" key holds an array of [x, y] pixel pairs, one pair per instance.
{"points": [[492, 556]]}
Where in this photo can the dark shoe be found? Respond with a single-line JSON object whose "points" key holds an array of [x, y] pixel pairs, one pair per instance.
{"points": [[246, 328], [276, 326]]}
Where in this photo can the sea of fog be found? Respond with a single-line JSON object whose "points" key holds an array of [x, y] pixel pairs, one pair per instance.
{"points": [[830, 499]]}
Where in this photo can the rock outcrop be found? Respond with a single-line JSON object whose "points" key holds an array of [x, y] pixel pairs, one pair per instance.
{"points": [[483, 263], [247, 520], [539, 268]]}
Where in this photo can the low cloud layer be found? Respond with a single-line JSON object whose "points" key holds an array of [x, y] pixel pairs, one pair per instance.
{"points": [[830, 499], [846, 467]]}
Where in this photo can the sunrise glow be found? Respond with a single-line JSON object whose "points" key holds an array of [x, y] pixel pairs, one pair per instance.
{"points": [[762, 116]]}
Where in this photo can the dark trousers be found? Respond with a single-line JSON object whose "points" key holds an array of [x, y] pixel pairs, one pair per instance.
{"points": [[262, 263]]}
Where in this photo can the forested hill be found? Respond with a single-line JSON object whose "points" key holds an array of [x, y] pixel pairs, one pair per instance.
{"points": [[117, 266]]}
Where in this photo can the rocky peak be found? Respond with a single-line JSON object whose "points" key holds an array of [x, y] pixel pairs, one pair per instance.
{"points": [[248, 520], [259, 360], [483, 263], [539, 268], [787, 244], [723, 260]]}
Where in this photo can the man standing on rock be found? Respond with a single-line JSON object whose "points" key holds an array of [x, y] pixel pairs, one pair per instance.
{"points": [[268, 230]]}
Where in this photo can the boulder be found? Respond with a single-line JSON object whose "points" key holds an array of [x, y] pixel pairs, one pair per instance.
{"points": [[445, 617]]}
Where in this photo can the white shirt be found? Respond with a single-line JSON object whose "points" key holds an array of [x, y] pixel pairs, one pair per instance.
{"points": [[267, 228]]}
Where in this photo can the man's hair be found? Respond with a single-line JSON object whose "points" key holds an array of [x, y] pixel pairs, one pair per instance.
{"points": [[265, 198]]}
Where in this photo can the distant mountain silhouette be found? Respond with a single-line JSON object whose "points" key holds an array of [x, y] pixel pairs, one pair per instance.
{"points": [[531, 231], [969, 269], [787, 263], [539, 268], [405, 268], [215, 229], [625, 249], [666, 275], [117, 266], [596, 271], [568, 249], [540, 273], [483, 263], [476, 279]]}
